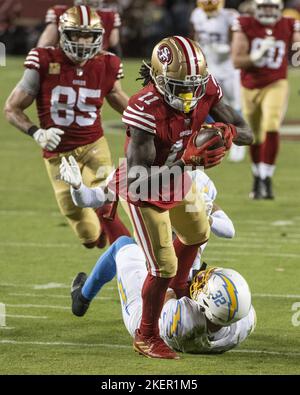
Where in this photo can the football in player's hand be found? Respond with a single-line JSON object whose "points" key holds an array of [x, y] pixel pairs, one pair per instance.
{"points": [[205, 134]]}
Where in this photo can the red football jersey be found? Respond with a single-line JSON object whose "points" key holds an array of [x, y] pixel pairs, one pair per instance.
{"points": [[273, 65], [148, 111], [110, 20], [70, 96]]}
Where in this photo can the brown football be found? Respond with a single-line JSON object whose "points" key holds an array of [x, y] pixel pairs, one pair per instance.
{"points": [[205, 134]]}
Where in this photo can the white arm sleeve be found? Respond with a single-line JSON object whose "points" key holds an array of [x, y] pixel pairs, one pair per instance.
{"points": [[88, 197], [222, 225]]}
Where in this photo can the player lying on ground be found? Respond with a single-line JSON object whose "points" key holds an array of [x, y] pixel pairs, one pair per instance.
{"points": [[221, 224], [217, 317]]}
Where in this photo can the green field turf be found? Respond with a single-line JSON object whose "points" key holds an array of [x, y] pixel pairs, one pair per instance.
{"points": [[37, 248]]}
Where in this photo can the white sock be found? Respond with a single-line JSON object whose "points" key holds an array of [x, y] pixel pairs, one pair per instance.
{"points": [[255, 169], [269, 170], [262, 171]]}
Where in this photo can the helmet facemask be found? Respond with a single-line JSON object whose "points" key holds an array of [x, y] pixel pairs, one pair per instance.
{"points": [[81, 33], [268, 12], [181, 95], [79, 51]]}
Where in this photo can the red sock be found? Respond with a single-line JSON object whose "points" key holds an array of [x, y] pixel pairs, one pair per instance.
{"points": [[186, 256], [271, 148], [153, 294], [257, 153], [113, 228]]}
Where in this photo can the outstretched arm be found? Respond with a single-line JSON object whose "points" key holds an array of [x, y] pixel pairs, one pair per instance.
{"points": [[221, 112], [82, 195], [221, 225]]}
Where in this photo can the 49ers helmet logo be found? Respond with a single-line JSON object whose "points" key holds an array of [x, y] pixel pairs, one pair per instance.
{"points": [[164, 54]]}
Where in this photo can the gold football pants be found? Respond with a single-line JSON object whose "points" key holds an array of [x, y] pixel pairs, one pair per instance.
{"points": [[94, 161], [153, 228], [265, 108]]}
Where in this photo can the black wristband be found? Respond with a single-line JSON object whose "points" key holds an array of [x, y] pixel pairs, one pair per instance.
{"points": [[32, 130]]}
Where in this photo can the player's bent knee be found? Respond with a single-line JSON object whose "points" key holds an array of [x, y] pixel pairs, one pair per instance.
{"points": [[87, 231], [167, 262], [197, 238], [90, 245]]}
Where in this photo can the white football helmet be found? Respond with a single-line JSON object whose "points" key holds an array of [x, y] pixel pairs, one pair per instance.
{"points": [[268, 12], [223, 294]]}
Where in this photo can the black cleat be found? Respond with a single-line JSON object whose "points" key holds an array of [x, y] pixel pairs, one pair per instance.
{"points": [[268, 188], [79, 303], [257, 189]]}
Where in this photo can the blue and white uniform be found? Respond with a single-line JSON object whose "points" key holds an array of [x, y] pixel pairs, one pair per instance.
{"points": [[182, 324]]}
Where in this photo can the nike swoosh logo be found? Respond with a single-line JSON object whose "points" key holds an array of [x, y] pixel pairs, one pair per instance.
{"points": [[140, 108]]}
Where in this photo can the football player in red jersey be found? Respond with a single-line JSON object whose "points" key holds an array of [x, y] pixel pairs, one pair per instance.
{"points": [[162, 120], [260, 48], [110, 20], [69, 85]]}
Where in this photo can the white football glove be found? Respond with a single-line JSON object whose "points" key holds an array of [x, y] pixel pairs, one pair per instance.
{"points": [[70, 172], [48, 138], [266, 44]]}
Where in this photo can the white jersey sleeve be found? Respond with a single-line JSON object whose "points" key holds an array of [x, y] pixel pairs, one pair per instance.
{"points": [[231, 15], [88, 197], [229, 337]]}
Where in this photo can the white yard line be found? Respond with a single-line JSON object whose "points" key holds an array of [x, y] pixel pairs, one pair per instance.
{"points": [[38, 306], [236, 253], [39, 343], [29, 213], [42, 317], [268, 233], [262, 295], [34, 286], [31, 295], [260, 242], [39, 245], [8, 341], [234, 245], [279, 353]]}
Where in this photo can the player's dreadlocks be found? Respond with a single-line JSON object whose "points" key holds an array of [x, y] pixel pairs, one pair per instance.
{"points": [[145, 73]]}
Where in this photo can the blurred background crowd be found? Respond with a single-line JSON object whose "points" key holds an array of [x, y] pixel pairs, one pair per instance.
{"points": [[144, 22]]}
